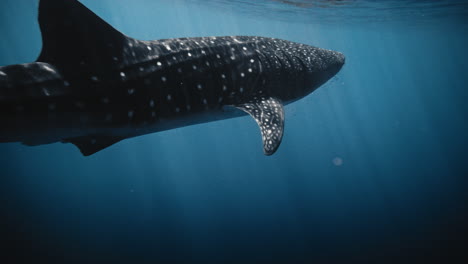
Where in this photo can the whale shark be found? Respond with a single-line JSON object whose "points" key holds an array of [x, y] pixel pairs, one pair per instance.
{"points": [[93, 86]]}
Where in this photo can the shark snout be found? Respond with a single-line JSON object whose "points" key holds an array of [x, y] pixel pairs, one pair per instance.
{"points": [[340, 58], [329, 62], [334, 62], [322, 65]]}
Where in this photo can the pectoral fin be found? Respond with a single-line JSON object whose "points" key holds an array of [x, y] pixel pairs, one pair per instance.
{"points": [[89, 145], [269, 114]]}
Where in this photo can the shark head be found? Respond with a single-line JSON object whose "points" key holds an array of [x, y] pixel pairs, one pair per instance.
{"points": [[287, 71], [299, 69], [321, 65]]}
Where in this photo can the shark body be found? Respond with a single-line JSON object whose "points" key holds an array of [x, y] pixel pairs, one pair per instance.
{"points": [[93, 86]]}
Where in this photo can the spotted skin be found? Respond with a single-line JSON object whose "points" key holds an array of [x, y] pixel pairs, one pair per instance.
{"points": [[120, 87], [269, 115]]}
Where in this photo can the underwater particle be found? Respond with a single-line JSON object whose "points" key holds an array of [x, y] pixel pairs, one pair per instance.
{"points": [[337, 161]]}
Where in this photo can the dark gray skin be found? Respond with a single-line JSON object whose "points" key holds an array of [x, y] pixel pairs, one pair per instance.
{"points": [[93, 86]]}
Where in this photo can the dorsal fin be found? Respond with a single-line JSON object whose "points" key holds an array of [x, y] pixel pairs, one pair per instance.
{"points": [[74, 36]]}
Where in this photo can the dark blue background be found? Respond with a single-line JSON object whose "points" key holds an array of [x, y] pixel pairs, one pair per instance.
{"points": [[396, 115]]}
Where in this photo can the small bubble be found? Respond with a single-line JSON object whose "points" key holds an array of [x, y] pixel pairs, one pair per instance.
{"points": [[337, 161]]}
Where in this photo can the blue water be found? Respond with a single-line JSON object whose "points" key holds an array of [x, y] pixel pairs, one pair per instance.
{"points": [[372, 168]]}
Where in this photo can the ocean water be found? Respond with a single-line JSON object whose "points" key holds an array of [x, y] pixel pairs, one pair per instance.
{"points": [[372, 167]]}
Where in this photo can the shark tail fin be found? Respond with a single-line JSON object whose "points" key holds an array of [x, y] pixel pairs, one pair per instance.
{"points": [[74, 35]]}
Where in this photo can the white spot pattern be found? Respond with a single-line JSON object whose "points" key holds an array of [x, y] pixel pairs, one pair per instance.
{"points": [[269, 114]]}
